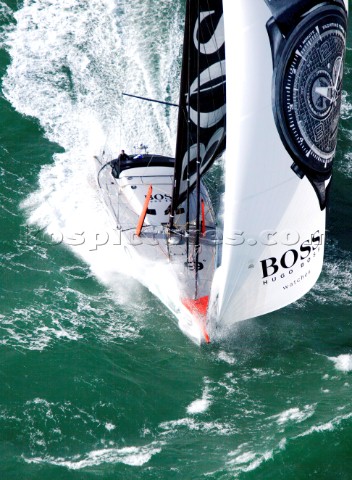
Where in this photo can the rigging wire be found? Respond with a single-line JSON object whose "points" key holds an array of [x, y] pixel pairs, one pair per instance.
{"points": [[188, 113]]}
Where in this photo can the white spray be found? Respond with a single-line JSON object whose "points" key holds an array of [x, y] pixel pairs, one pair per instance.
{"points": [[70, 63]]}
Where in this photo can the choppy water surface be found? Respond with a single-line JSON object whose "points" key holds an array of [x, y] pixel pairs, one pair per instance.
{"points": [[96, 379]]}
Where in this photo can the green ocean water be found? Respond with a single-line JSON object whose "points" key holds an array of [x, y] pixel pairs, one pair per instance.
{"points": [[96, 380]]}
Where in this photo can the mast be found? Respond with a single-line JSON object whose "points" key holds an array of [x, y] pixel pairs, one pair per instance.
{"points": [[196, 243], [202, 112]]}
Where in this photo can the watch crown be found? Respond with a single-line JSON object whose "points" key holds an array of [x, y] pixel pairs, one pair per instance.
{"points": [[297, 170]]}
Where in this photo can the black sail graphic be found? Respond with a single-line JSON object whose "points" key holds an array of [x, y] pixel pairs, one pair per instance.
{"points": [[202, 113]]}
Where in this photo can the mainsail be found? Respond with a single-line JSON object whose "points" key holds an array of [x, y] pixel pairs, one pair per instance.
{"points": [[201, 121], [284, 69]]}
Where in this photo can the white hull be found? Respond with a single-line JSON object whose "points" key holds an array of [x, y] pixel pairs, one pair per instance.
{"points": [[161, 265]]}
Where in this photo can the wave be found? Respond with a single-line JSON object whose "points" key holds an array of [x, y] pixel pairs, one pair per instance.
{"points": [[335, 284], [132, 456], [72, 80], [245, 461], [67, 313], [200, 405], [329, 426], [346, 106], [174, 427], [226, 357], [6, 23], [70, 64], [294, 415]]}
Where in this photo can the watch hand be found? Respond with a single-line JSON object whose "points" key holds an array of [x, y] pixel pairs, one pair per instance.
{"points": [[338, 75], [324, 92]]}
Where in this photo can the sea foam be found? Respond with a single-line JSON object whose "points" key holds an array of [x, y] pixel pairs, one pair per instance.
{"points": [[133, 456], [294, 415], [200, 405], [343, 362], [71, 82]]}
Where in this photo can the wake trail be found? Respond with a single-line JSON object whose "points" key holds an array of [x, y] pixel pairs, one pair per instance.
{"points": [[70, 63]]}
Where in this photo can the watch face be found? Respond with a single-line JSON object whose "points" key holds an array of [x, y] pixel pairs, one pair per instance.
{"points": [[307, 87]]}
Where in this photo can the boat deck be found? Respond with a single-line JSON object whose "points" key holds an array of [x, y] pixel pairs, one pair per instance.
{"points": [[125, 197]]}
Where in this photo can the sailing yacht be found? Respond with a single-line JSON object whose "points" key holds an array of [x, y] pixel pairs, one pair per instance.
{"points": [[262, 80]]}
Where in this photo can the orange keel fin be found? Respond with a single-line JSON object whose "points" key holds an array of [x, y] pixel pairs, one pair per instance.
{"points": [[198, 309], [144, 211]]}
